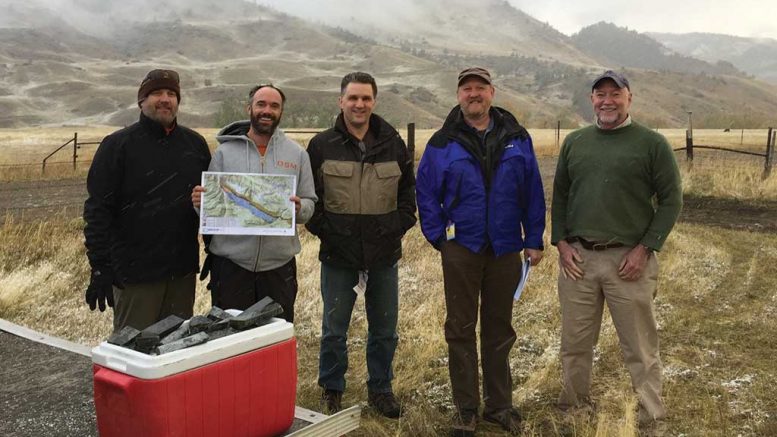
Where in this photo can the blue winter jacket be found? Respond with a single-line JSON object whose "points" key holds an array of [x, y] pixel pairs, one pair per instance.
{"points": [[489, 192]]}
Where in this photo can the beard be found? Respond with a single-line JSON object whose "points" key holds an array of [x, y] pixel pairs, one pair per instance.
{"points": [[608, 117], [474, 107], [260, 128], [164, 118]]}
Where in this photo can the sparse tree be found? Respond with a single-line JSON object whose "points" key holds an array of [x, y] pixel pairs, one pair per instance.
{"points": [[230, 110]]}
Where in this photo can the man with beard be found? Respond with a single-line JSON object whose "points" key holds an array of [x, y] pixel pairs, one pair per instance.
{"points": [[244, 269], [141, 232], [481, 202], [616, 197], [364, 182]]}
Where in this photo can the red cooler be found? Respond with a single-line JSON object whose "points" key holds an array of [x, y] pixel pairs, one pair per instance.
{"points": [[241, 385]]}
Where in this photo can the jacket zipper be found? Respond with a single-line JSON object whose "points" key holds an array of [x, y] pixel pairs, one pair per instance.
{"points": [[261, 170], [486, 183], [373, 148]]}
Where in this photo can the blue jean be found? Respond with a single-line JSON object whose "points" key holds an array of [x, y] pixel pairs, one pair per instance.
{"points": [[381, 304]]}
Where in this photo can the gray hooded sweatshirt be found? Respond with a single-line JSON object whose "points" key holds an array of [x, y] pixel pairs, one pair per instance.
{"points": [[238, 154]]}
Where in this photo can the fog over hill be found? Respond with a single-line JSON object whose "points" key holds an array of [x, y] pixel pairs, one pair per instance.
{"points": [[107, 18], [80, 62], [493, 27], [757, 56]]}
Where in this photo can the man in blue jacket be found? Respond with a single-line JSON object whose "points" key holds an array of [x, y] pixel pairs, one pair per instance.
{"points": [[481, 202]]}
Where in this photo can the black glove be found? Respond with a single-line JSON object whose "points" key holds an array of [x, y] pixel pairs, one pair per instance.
{"points": [[100, 289], [206, 265]]}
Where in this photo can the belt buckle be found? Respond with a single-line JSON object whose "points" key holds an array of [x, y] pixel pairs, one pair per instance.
{"points": [[599, 246]]}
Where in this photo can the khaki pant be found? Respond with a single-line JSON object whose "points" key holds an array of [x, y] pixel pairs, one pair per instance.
{"points": [[485, 279], [631, 307], [142, 305]]}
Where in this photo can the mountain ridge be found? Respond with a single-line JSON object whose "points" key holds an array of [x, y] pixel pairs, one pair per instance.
{"points": [[756, 56], [54, 72]]}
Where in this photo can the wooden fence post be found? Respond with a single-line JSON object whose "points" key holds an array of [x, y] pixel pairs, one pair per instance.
{"points": [[689, 145], [75, 149], [769, 160], [411, 143], [558, 134]]}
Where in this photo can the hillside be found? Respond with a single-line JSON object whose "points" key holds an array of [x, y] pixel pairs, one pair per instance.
{"points": [[615, 45], [757, 56], [441, 26], [80, 62]]}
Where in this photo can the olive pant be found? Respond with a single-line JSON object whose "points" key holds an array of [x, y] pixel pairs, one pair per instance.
{"points": [[471, 279], [142, 305], [631, 307]]}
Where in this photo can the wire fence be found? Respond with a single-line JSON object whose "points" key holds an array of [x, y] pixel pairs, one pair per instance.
{"points": [[767, 154], [74, 161], [78, 152]]}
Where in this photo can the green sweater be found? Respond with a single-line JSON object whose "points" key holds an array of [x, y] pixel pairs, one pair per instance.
{"points": [[607, 183]]}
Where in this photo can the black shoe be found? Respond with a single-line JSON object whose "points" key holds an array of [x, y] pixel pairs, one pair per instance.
{"points": [[331, 401], [464, 423], [386, 404], [509, 419]]}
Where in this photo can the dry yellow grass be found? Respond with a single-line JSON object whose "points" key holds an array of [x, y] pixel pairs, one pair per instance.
{"points": [[717, 310], [21, 153]]}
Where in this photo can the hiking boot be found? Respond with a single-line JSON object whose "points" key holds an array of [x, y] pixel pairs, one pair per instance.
{"points": [[385, 404], [331, 401], [509, 419], [655, 428], [648, 425], [464, 423], [586, 406]]}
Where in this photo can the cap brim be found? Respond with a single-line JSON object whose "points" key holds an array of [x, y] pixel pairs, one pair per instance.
{"points": [[479, 76]]}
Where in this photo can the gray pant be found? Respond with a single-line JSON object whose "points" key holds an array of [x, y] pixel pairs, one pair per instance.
{"points": [[142, 305]]}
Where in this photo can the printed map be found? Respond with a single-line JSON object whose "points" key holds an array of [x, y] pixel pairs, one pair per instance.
{"points": [[247, 204]]}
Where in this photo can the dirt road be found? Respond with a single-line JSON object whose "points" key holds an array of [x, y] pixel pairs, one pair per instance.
{"points": [[38, 200]]}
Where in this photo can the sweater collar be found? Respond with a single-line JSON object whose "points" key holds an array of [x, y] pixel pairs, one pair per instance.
{"points": [[626, 122]]}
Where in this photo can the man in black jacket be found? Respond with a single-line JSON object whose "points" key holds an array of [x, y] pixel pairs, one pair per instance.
{"points": [[141, 228], [366, 202]]}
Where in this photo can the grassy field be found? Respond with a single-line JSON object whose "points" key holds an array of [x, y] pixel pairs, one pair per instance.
{"points": [[716, 307], [22, 153]]}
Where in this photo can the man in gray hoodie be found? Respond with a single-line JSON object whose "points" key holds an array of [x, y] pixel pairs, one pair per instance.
{"points": [[244, 269]]}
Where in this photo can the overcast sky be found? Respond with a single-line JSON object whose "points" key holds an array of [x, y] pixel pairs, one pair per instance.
{"points": [[752, 18], [757, 18]]}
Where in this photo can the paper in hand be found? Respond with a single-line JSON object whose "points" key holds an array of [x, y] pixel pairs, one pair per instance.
{"points": [[525, 270]]}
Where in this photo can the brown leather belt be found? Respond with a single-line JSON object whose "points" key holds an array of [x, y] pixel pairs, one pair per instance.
{"points": [[593, 245]]}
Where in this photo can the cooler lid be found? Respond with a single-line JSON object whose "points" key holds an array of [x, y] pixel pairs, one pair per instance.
{"points": [[144, 366]]}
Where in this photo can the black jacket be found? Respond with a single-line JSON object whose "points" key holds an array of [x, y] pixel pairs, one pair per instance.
{"points": [[139, 217], [365, 205]]}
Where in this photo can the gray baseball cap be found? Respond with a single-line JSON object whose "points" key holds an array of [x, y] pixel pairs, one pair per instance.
{"points": [[475, 71], [618, 78]]}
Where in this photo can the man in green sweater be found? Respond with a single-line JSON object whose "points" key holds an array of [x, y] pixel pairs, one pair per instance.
{"points": [[616, 196]]}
